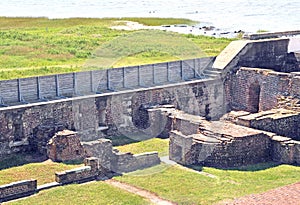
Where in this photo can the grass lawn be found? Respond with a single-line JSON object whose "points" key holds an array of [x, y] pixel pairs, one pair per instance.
{"points": [[40, 46], [172, 182], [185, 187], [154, 144], [91, 193], [44, 172]]}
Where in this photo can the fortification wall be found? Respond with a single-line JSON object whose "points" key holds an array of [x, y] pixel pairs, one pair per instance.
{"points": [[90, 82], [24, 127]]}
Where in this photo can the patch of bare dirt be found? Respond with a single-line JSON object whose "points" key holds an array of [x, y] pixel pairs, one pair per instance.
{"points": [[141, 192]]}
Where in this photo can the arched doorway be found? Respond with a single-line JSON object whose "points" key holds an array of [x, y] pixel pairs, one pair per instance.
{"points": [[254, 94]]}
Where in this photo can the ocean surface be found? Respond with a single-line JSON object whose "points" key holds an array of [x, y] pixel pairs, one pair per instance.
{"points": [[246, 15]]}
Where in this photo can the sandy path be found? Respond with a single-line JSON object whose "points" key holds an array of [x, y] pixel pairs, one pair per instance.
{"points": [[143, 193]]}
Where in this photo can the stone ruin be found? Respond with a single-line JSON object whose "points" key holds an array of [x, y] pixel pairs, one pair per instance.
{"points": [[66, 146], [239, 138], [242, 109]]}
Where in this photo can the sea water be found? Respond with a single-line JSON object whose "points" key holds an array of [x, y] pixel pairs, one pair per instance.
{"points": [[246, 15]]}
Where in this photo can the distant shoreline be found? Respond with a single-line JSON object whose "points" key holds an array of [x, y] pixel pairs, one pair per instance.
{"points": [[229, 16], [179, 25]]}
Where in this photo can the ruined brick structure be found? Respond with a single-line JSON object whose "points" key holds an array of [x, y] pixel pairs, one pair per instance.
{"points": [[257, 74], [65, 146], [247, 76]]}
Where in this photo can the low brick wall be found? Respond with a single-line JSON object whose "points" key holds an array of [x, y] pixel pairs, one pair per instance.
{"points": [[78, 175], [128, 162], [240, 152], [287, 152], [17, 190]]}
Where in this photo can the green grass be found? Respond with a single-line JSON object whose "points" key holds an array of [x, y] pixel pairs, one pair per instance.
{"points": [[261, 31], [154, 144], [185, 187], [160, 21], [209, 45], [91, 193], [44, 172], [41, 46]]}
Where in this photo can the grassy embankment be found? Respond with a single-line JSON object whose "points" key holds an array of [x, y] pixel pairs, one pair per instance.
{"points": [[40, 46]]}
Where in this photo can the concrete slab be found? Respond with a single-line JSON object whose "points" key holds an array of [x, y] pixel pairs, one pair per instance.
{"points": [[228, 54]]}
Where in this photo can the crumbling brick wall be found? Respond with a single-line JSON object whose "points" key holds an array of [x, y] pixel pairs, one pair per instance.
{"points": [[234, 153], [272, 84]]}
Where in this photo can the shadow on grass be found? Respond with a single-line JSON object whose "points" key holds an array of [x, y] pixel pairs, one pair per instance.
{"points": [[121, 140], [255, 167], [16, 160], [73, 162]]}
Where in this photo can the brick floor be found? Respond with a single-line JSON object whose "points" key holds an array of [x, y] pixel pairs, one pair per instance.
{"points": [[287, 195]]}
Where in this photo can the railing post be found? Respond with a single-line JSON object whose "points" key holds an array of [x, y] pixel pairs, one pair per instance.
{"points": [[153, 74], [57, 85], [75, 83], [194, 68], [108, 79], [92, 81], [19, 90], [38, 88], [124, 82], [181, 70], [139, 77], [168, 77]]}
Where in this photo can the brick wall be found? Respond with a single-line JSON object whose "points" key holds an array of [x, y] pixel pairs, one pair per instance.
{"points": [[272, 84], [82, 83], [240, 152], [118, 162], [287, 152], [32, 125], [17, 189]]}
